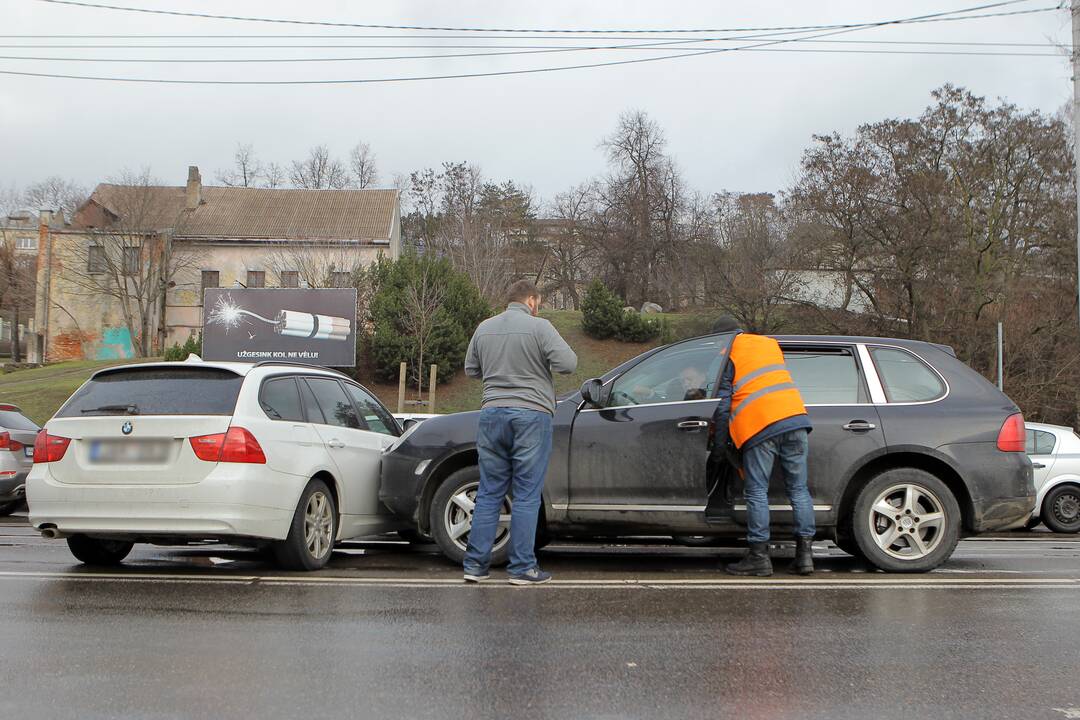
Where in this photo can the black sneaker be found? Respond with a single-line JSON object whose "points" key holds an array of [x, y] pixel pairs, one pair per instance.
{"points": [[534, 576]]}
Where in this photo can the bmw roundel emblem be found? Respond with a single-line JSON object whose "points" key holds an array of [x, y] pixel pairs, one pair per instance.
{"points": [[126, 428]]}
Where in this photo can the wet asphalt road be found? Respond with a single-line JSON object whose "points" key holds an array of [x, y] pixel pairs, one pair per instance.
{"points": [[644, 631]]}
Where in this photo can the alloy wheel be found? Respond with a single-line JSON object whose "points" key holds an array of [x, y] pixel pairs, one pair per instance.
{"points": [[907, 521], [318, 525], [458, 517]]}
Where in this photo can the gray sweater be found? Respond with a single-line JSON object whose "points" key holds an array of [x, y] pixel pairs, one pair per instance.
{"points": [[515, 353]]}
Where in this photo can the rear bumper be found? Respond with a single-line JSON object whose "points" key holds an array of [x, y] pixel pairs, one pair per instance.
{"points": [[233, 501], [12, 488], [1000, 514]]}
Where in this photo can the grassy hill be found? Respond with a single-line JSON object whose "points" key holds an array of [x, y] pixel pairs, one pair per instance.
{"points": [[41, 391]]}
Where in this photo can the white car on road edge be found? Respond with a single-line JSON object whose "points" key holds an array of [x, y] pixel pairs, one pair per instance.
{"points": [[274, 454], [1055, 455]]}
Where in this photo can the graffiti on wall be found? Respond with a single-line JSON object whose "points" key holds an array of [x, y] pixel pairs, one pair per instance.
{"points": [[113, 344]]}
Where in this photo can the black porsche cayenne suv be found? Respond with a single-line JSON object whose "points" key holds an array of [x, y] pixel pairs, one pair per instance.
{"points": [[911, 449]]}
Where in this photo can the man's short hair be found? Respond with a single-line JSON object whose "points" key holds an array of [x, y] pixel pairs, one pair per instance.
{"points": [[521, 291]]}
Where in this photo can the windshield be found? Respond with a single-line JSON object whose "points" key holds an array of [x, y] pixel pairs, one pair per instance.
{"points": [[156, 391]]}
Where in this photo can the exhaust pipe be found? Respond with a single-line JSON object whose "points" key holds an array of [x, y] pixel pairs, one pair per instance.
{"points": [[51, 533], [20, 491]]}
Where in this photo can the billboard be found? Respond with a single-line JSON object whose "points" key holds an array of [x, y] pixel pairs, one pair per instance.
{"points": [[308, 325]]}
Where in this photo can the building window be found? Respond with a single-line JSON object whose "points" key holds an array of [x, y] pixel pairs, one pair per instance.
{"points": [[26, 243], [340, 279], [132, 260], [95, 259], [210, 279], [256, 279], [290, 279]]}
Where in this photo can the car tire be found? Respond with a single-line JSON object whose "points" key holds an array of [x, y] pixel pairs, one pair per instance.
{"points": [[310, 541], [1061, 509], [450, 517], [696, 540], [918, 533], [10, 507], [97, 551]]}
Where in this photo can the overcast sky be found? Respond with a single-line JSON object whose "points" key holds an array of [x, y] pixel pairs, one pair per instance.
{"points": [[734, 120]]}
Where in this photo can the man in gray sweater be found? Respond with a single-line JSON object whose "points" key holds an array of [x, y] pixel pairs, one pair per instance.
{"points": [[514, 353]]}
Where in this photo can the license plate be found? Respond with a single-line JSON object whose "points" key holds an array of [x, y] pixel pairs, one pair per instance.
{"points": [[116, 452], [28, 451]]}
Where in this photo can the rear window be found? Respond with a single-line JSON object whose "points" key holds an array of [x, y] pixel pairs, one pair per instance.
{"points": [[157, 391], [905, 377], [11, 420]]}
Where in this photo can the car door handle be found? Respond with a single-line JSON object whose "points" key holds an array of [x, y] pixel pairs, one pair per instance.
{"points": [[860, 426], [1037, 466], [335, 443], [692, 424]]}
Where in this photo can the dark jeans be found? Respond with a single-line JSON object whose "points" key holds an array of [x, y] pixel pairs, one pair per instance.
{"points": [[790, 448], [514, 445]]}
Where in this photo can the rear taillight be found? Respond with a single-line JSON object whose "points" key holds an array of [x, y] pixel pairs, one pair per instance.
{"points": [[50, 448], [5, 441], [1012, 434], [237, 445]]}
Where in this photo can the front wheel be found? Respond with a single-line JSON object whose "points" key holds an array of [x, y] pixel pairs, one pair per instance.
{"points": [[1061, 509], [310, 541], [451, 517], [906, 520], [96, 551]]}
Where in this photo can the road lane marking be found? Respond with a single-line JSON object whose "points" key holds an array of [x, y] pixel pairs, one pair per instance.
{"points": [[861, 583]]}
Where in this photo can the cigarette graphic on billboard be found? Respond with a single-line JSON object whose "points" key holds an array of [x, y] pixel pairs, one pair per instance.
{"points": [[289, 323]]}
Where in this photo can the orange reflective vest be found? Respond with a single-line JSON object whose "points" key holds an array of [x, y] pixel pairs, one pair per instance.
{"points": [[762, 390]]}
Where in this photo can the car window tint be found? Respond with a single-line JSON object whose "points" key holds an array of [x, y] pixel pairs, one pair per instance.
{"points": [[311, 407], [905, 377], [371, 410], [156, 390], [280, 400], [1029, 442], [824, 378], [680, 372], [1044, 442], [335, 405], [14, 421]]}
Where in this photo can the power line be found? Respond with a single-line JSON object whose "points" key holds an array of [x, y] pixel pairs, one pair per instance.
{"points": [[453, 76], [374, 26]]}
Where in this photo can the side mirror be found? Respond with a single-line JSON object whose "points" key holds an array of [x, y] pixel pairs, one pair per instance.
{"points": [[409, 422], [594, 393]]}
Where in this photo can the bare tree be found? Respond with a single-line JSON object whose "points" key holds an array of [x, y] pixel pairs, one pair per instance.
{"points": [[273, 175], [365, 171], [55, 193], [319, 171], [570, 245], [317, 265], [132, 260], [17, 284], [422, 299], [246, 169]]}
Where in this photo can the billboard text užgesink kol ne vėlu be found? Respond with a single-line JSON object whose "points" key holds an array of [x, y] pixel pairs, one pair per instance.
{"points": [[316, 326]]}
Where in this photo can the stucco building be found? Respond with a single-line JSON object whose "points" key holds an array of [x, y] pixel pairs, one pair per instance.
{"points": [[151, 251]]}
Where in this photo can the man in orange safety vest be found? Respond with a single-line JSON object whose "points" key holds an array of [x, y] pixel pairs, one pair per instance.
{"points": [[761, 419]]}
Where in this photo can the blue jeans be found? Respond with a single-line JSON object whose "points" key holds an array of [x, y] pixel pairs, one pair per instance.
{"points": [[790, 448], [514, 445]]}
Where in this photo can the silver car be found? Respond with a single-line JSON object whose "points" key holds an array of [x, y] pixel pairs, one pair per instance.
{"points": [[17, 435], [1055, 455]]}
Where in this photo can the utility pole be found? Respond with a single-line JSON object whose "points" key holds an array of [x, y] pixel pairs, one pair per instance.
{"points": [[1075, 10]]}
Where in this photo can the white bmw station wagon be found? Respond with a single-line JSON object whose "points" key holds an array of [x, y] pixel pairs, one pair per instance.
{"points": [[271, 454]]}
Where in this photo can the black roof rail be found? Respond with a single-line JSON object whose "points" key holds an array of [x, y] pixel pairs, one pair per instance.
{"points": [[264, 363]]}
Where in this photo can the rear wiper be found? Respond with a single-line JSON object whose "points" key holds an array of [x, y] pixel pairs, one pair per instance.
{"points": [[129, 409]]}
